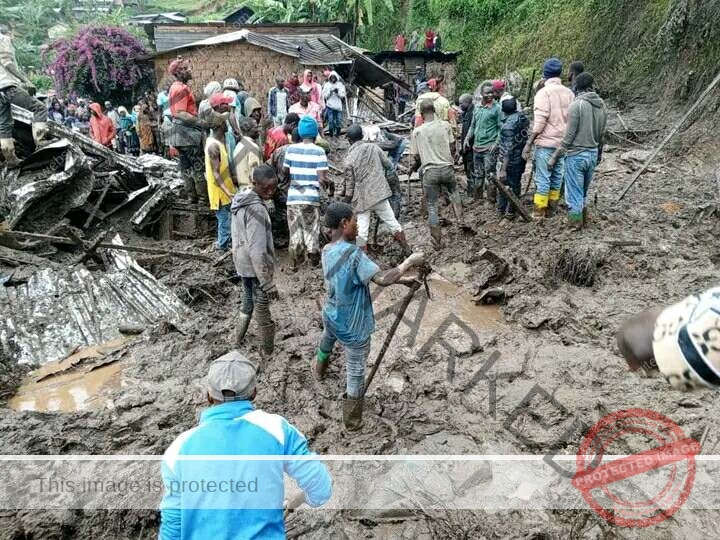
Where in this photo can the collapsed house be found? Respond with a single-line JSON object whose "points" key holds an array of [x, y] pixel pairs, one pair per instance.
{"points": [[63, 193]]}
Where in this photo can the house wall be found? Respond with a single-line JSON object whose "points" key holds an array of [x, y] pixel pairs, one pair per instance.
{"points": [[256, 67], [405, 69]]}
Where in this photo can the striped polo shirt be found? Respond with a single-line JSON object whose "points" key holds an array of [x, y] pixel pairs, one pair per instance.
{"points": [[304, 161]]}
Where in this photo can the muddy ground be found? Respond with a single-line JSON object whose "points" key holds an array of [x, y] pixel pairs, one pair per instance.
{"points": [[549, 333]]}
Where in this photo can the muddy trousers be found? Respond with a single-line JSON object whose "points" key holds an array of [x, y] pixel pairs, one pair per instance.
{"points": [[484, 166], [579, 172], [255, 301], [304, 225], [191, 167], [434, 181], [356, 356], [14, 95], [547, 181]]}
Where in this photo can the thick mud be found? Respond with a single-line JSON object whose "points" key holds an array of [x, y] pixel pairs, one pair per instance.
{"points": [[650, 249]]}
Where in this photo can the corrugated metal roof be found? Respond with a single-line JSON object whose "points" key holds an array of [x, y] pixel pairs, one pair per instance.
{"points": [[57, 311]]}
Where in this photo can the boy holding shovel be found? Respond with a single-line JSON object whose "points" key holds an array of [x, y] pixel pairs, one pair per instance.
{"points": [[348, 313]]}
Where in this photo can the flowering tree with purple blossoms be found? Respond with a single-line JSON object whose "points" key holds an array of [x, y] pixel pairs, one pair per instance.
{"points": [[100, 62]]}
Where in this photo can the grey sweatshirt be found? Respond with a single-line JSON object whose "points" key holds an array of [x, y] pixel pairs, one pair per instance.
{"points": [[252, 240], [587, 119]]}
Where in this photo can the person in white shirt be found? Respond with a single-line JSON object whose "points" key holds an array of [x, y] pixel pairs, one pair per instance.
{"points": [[278, 102], [334, 94]]}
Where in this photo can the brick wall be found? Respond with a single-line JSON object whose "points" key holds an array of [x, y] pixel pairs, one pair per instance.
{"points": [[256, 67]]}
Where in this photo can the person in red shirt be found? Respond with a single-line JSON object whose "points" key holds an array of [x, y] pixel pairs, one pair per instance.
{"points": [[186, 133], [102, 129], [280, 135], [400, 42], [429, 40]]}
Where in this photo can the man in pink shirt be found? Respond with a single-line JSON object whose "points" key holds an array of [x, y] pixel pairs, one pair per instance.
{"points": [[552, 104], [310, 108]]}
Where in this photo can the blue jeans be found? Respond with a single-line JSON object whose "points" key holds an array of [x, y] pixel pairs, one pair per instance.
{"points": [[514, 177], [224, 235], [579, 172], [356, 356], [334, 120], [547, 181]]}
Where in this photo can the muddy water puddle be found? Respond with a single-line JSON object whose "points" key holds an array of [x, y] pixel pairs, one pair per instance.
{"points": [[71, 385], [448, 305]]}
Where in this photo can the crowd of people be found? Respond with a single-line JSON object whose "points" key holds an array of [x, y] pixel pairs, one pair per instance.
{"points": [[127, 132]]}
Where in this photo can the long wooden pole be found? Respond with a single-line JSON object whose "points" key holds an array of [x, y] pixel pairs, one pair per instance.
{"points": [[670, 135], [106, 245]]}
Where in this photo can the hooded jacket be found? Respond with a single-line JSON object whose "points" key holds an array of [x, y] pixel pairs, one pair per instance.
{"points": [[101, 127], [308, 85], [587, 119], [334, 100], [252, 240]]}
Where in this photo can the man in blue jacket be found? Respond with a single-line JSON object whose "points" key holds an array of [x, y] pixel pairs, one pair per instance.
{"points": [[235, 498]]}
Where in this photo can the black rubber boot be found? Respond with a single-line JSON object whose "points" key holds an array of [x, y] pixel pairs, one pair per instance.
{"points": [[241, 329], [352, 412], [267, 334]]}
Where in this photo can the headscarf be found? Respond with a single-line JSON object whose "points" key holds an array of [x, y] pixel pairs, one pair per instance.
{"points": [[313, 88], [177, 65], [102, 129], [213, 87]]}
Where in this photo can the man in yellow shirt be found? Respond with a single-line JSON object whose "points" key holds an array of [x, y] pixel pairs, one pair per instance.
{"points": [[218, 175], [247, 154]]}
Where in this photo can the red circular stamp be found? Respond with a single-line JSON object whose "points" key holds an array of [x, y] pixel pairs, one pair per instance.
{"points": [[663, 475]]}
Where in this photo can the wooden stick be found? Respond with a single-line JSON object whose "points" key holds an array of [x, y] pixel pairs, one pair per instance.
{"points": [[100, 200], [386, 344], [514, 201], [670, 135], [139, 249]]}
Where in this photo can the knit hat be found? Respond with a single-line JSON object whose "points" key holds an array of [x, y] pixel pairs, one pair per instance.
{"points": [[498, 85], [234, 374], [552, 68], [308, 127]]}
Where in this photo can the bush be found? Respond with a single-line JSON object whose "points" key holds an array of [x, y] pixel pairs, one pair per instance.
{"points": [[100, 62]]}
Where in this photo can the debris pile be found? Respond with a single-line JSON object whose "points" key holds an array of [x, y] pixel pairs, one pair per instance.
{"points": [[78, 182]]}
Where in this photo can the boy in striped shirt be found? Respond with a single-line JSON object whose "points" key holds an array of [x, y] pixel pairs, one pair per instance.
{"points": [[306, 164]]}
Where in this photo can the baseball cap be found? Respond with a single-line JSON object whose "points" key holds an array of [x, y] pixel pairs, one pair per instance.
{"points": [[219, 99], [231, 373]]}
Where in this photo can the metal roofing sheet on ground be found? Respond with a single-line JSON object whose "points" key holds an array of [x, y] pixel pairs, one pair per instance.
{"points": [[56, 312]]}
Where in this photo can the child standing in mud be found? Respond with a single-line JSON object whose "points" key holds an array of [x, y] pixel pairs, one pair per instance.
{"points": [[348, 313]]}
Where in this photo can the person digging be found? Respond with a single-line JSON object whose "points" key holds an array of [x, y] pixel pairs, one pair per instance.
{"points": [[348, 312]]}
